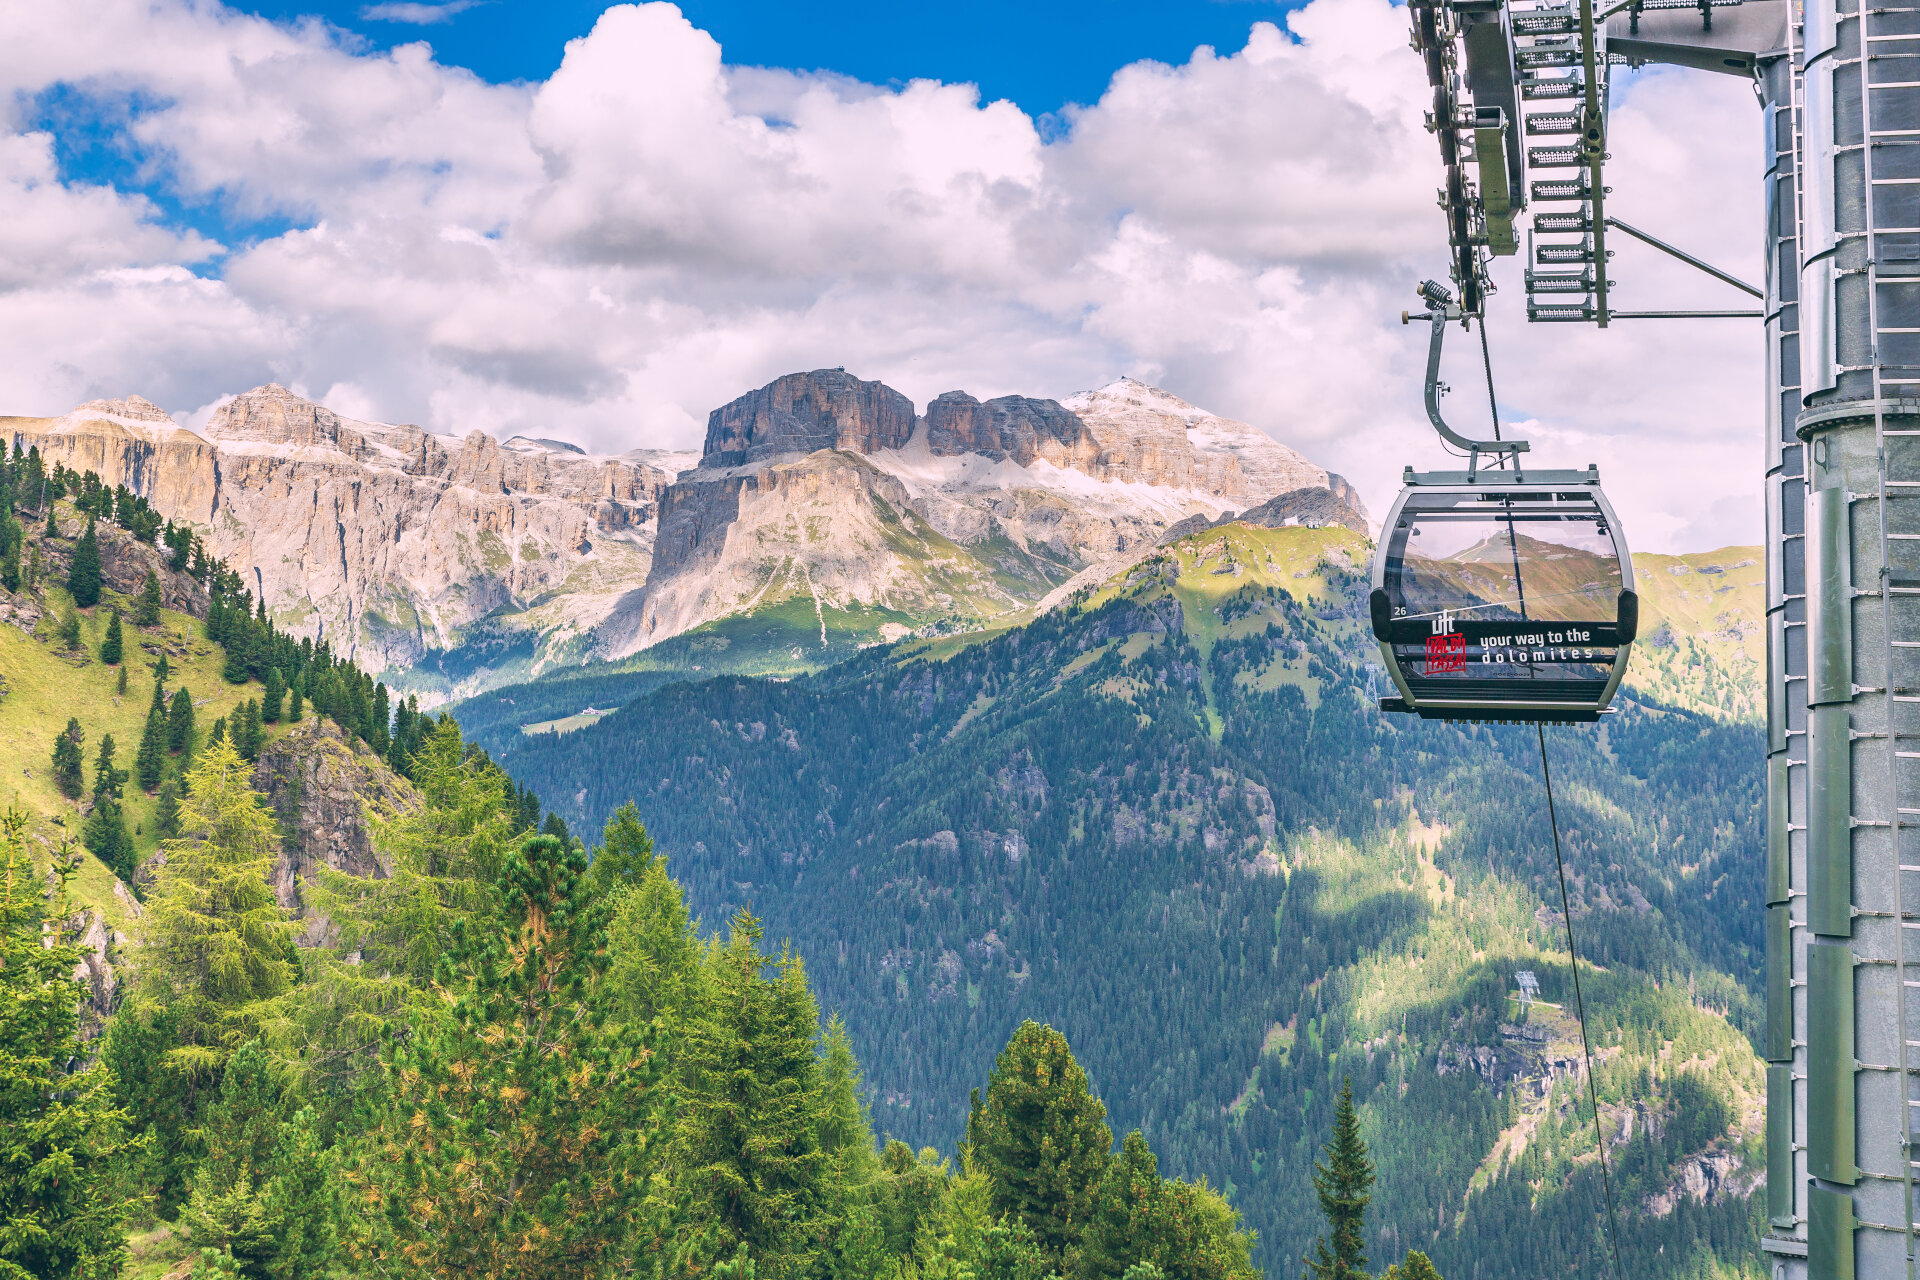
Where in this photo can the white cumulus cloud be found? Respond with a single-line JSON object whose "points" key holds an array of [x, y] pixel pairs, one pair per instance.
{"points": [[609, 254]]}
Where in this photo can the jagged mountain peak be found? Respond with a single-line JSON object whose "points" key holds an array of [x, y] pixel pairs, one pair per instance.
{"points": [[133, 408]]}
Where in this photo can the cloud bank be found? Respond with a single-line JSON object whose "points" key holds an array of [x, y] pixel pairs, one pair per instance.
{"points": [[609, 254]]}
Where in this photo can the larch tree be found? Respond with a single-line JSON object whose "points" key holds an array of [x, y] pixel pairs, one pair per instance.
{"points": [[214, 941], [1041, 1137], [1344, 1182]]}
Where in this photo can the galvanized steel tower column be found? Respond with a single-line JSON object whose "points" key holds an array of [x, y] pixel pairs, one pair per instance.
{"points": [[1843, 523]]}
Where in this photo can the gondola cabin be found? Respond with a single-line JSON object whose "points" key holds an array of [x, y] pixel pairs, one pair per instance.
{"points": [[1503, 595]]}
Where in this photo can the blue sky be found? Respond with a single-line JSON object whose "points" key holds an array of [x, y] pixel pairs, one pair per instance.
{"points": [[1041, 54]]}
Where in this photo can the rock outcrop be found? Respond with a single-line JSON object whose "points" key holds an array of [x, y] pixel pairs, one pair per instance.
{"points": [[805, 412], [323, 790], [1015, 428]]}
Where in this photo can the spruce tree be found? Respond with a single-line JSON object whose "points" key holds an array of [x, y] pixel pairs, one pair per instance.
{"points": [[218, 734], [113, 646], [296, 693], [83, 573], [1345, 1186], [749, 1143], [10, 567], [53, 522], [270, 700], [162, 670], [517, 1131], [151, 759], [166, 817], [266, 1196], [61, 1136], [180, 722], [1415, 1266], [106, 837], [214, 943], [70, 638], [68, 764], [108, 781], [120, 682], [1041, 1137], [248, 734], [146, 609], [556, 826]]}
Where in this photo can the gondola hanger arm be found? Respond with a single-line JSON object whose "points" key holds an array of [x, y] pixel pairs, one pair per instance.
{"points": [[1442, 313]]}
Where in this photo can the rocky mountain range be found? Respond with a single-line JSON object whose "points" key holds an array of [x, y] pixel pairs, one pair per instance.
{"points": [[824, 508]]}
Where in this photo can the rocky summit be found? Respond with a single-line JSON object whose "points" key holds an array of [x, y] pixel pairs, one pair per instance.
{"points": [[823, 512]]}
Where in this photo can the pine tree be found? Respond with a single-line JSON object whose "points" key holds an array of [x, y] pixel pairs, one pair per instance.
{"points": [[68, 764], [146, 610], [180, 722], [1041, 1137], [749, 1143], [214, 943], [113, 646], [1345, 1186], [1125, 1226], [83, 573], [517, 1133], [61, 1136], [270, 700]]}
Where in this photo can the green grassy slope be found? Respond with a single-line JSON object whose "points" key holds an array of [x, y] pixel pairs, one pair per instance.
{"points": [[46, 685]]}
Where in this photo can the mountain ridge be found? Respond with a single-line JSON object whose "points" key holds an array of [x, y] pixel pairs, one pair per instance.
{"points": [[451, 564]]}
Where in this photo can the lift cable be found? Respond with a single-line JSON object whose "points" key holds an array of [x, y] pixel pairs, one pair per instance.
{"points": [[1580, 1005]]}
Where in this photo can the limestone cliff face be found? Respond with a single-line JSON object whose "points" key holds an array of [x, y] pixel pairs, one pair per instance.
{"points": [[803, 412], [451, 564], [1011, 427], [389, 541], [985, 507], [1150, 437], [828, 532]]}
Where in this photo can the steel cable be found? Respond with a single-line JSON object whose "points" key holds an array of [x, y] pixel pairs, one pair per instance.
{"points": [[1580, 1006]]}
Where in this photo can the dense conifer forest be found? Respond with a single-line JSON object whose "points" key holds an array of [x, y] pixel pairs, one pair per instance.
{"points": [[1170, 822]]}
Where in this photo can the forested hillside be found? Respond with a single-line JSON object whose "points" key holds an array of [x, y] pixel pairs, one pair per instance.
{"points": [[351, 1014], [1169, 821]]}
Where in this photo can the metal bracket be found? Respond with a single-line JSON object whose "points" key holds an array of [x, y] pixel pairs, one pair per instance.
{"points": [[1444, 312]]}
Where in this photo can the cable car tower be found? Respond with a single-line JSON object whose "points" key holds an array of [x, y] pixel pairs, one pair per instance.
{"points": [[1520, 91]]}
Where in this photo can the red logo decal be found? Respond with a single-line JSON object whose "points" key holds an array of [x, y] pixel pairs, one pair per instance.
{"points": [[1446, 653]]}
